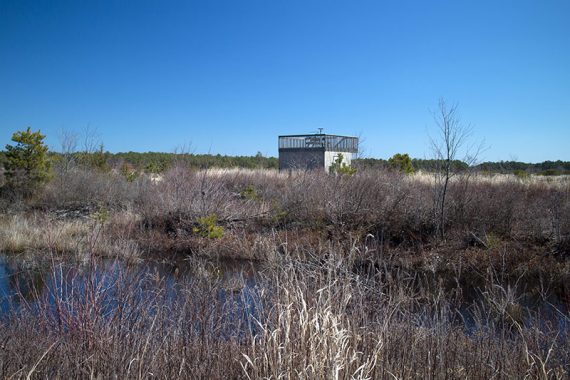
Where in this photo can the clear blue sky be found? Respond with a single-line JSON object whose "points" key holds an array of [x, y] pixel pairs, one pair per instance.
{"points": [[229, 76]]}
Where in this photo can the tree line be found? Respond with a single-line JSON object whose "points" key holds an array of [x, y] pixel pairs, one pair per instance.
{"points": [[158, 162], [499, 167], [27, 162]]}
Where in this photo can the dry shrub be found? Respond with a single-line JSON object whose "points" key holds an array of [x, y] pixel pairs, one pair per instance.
{"points": [[185, 195], [396, 209], [85, 188]]}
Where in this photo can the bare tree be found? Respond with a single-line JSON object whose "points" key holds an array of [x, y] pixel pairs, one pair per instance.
{"points": [[68, 142], [452, 153], [91, 139]]}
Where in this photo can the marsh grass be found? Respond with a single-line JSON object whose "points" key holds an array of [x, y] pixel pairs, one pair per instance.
{"points": [[37, 233], [80, 239], [301, 319]]}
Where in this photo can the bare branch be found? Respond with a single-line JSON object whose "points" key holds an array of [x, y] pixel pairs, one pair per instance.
{"points": [[450, 146]]}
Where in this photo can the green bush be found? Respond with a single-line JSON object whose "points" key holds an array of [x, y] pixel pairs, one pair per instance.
{"points": [[155, 167], [340, 167], [249, 193], [402, 163], [207, 227]]}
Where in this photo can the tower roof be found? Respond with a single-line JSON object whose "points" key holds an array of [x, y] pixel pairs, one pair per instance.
{"points": [[320, 141]]}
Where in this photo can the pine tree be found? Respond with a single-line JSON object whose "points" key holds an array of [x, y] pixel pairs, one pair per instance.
{"points": [[27, 165]]}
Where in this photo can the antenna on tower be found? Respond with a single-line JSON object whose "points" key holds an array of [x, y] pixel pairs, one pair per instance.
{"points": [[320, 131]]}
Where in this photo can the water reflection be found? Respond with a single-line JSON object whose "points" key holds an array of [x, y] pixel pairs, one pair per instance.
{"points": [[17, 280], [20, 285]]}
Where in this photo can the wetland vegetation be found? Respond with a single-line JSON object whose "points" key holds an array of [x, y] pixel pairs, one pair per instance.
{"points": [[330, 276]]}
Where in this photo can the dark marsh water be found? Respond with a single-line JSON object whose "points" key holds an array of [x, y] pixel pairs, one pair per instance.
{"points": [[27, 287]]}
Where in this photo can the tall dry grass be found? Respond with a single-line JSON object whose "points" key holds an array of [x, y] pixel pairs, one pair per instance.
{"points": [[80, 238], [302, 319]]}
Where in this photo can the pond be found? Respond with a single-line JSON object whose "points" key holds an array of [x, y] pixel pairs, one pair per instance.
{"points": [[65, 291]]}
